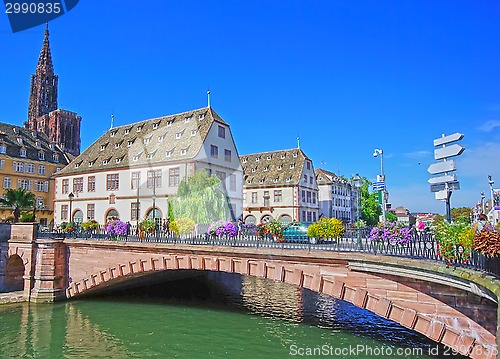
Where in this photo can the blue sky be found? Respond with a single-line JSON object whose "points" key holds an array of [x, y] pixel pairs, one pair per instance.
{"points": [[345, 76]]}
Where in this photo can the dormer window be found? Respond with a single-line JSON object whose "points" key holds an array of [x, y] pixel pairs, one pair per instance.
{"points": [[269, 158], [168, 153], [20, 140], [130, 143], [320, 178], [169, 123], [77, 165], [117, 145], [139, 128], [56, 157], [295, 154], [155, 125], [253, 170], [261, 181], [150, 156], [292, 166], [244, 160], [160, 138], [282, 156], [186, 120], [103, 147], [113, 133], [249, 181], [193, 133], [38, 144], [147, 139], [183, 151], [52, 146], [3, 148], [15, 130], [34, 134], [127, 131], [201, 116], [266, 169], [118, 160], [91, 163], [22, 152], [41, 156], [280, 167], [178, 135], [105, 162], [275, 180], [135, 158], [257, 159], [289, 179]]}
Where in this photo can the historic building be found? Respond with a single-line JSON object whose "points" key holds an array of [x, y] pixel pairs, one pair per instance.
{"points": [[27, 160], [279, 185], [131, 170], [61, 126], [337, 197]]}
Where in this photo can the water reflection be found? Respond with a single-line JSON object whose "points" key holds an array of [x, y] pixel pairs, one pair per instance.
{"points": [[209, 315]]}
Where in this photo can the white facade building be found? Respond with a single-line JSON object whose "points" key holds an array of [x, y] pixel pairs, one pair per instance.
{"points": [[133, 169], [279, 185], [337, 198]]}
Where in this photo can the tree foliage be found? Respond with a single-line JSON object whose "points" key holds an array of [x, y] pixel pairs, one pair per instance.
{"points": [[462, 214], [370, 209], [391, 217], [201, 198], [18, 199]]}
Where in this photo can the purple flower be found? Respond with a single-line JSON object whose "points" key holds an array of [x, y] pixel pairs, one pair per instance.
{"points": [[117, 228], [221, 228]]}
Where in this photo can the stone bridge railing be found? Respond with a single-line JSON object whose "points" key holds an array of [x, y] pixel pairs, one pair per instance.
{"points": [[422, 246]]}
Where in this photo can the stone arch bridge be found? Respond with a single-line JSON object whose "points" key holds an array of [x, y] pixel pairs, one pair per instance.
{"points": [[457, 307]]}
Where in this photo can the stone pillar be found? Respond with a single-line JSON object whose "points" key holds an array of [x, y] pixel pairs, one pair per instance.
{"points": [[4, 251], [50, 271]]}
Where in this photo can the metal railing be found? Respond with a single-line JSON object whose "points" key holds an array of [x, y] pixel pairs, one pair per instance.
{"points": [[421, 246]]}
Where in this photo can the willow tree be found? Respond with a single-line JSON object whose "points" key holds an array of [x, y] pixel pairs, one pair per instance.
{"points": [[200, 197]]}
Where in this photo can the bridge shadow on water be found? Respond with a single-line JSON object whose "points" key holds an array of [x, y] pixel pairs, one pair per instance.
{"points": [[265, 298]]}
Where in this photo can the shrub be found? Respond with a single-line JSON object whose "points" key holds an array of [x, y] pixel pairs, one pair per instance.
{"points": [[487, 241], [450, 237], [326, 228], [90, 225], [182, 226]]}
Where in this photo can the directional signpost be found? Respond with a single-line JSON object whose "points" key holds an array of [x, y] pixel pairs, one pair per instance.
{"points": [[445, 183]]}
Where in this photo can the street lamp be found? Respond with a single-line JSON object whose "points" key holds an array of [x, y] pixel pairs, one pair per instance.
{"points": [[71, 196], [380, 152], [482, 202], [491, 182], [357, 184]]}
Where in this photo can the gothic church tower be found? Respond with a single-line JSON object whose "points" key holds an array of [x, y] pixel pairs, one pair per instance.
{"points": [[61, 126]]}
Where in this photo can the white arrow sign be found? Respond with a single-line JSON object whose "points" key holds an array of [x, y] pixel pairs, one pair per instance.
{"points": [[443, 179], [449, 151], [441, 195], [440, 167], [447, 139]]}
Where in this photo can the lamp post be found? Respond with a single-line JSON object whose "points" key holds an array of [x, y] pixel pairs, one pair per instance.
{"points": [[376, 153], [71, 196], [491, 182], [357, 184], [482, 202]]}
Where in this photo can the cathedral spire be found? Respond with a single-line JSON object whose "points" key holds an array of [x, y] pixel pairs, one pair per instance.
{"points": [[43, 91]]}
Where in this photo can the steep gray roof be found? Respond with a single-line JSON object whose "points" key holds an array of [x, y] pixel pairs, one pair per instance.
{"points": [[270, 169], [327, 177], [159, 140], [16, 137]]}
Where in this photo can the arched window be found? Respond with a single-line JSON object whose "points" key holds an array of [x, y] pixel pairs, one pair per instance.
{"points": [[285, 218], [112, 214], [250, 219], [78, 217], [266, 219]]}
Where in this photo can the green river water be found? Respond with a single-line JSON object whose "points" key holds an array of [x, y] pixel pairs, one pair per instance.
{"points": [[212, 316]]}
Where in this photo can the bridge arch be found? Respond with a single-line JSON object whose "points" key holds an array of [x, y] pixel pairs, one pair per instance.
{"points": [[384, 296]]}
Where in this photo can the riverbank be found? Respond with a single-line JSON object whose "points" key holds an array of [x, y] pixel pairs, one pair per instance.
{"points": [[12, 297]]}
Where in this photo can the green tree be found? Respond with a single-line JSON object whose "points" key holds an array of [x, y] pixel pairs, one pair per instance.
{"points": [[391, 217], [370, 209], [201, 198], [462, 214], [18, 199]]}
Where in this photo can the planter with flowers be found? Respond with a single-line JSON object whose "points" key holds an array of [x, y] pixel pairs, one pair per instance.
{"points": [[326, 228], [454, 241], [275, 229], [391, 233], [146, 227], [220, 229], [116, 229]]}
